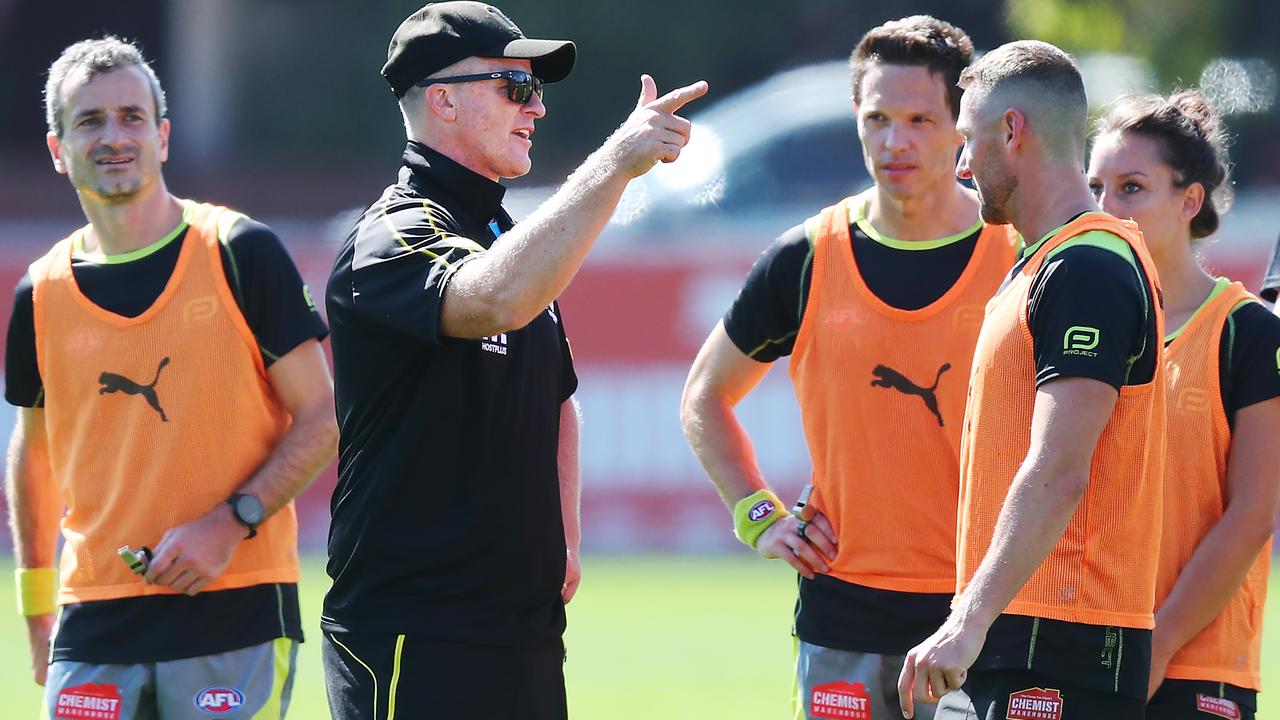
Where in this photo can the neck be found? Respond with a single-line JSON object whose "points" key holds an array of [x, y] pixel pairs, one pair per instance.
{"points": [[451, 150], [1183, 280], [1044, 200], [124, 227], [951, 209]]}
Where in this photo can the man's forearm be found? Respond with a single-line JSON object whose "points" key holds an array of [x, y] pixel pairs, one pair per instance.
{"points": [[506, 287], [723, 447], [305, 449], [570, 474], [1035, 514], [35, 505]]}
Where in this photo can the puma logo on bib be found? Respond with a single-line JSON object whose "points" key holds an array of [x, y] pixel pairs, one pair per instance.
{"points": [[112, 383], [887, 377]]}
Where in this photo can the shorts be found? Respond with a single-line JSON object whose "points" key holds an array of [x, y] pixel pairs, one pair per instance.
{"points": [[1029, 695], [1202, 700], [844, 684], [252, 682], [372, 676]]}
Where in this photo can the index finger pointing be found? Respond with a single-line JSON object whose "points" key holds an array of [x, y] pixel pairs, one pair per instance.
{"points": [[679, 97]]}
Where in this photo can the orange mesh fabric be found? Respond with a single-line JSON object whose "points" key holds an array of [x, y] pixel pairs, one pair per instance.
{"points": [[882, 394], [139, 444], [1229, 649], [1103, 570]]}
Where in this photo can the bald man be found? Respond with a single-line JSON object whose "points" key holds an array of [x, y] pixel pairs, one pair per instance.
{"points": [[1061, 453]]}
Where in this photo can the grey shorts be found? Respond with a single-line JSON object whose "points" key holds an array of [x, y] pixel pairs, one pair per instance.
{"points": [[253, 682], [849, 685]]}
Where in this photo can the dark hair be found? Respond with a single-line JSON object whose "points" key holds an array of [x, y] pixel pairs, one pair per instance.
{"points": [[1192, 142], [920, 40], [92, 58]]}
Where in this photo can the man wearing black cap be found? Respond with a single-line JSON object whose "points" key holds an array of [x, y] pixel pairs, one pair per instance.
{"points": [[453, 546]]}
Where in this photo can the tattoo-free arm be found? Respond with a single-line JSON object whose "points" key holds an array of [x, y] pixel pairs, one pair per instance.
{"points": [[1223, 558], [570, 494], [192, 555], [720, 378], [1069, 416], [35, 509]]}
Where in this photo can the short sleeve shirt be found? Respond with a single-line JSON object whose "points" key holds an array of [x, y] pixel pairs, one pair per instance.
{"points": [[446, 520]]}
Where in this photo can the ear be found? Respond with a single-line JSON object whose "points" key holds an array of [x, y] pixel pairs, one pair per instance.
{"points": [[1192, 201], [54, 142], [439, 102], [1013, 127], [163, 131]]}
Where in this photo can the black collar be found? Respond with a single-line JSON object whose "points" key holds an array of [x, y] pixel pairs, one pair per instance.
{"points": [[429, 172]]}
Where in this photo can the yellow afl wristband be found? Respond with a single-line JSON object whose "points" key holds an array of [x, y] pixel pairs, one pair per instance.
{"points": [[754, 514], [37, 590]]}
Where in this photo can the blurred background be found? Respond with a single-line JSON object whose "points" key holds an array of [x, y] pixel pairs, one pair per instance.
{"points": [[278, 110]]}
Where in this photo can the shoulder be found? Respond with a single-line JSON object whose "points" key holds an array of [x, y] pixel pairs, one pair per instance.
{"points": [[1252, 320], [245, 233], [1086, 244], [402, 222]]}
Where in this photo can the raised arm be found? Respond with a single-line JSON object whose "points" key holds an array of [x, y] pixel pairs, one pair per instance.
{"points": [[531, 265]]}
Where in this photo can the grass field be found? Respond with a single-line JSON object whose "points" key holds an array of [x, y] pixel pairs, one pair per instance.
{"points": [[668, 637]]}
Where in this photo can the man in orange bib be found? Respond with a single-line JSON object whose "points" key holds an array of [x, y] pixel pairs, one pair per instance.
{"points": [[172, 395], [878, 300], [1062, 452]]}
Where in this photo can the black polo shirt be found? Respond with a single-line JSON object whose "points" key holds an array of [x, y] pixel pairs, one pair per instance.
{"points": [[446, 517]]}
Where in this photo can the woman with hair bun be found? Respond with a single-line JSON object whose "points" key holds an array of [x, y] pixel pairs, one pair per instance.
{"points": [[1162, 162]]}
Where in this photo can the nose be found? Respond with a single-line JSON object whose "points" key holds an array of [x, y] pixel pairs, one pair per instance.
{"points": [[896, 138], [112, 133], [962, 165], [1103, 199], [535, 108]]}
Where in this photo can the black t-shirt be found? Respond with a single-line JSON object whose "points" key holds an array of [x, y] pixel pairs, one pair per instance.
{"points": [[278, 309], [1247, 371], [763, 323], [767, 313], [1090, 313], [446, 517]]}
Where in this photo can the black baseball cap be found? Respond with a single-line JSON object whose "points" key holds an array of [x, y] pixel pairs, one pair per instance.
{"points": [[441, 34]]}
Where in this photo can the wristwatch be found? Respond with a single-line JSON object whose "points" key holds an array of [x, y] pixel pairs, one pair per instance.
{"points": [[248, 511]]}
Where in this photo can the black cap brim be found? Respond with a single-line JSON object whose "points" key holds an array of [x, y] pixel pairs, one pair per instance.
{"points": [[552, 60]]}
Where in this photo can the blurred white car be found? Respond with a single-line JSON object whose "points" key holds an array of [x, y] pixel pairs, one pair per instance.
{"points": [[758, 161]]}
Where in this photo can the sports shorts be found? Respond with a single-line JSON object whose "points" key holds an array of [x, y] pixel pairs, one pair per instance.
{"points": [[372, 676], [252, 682], [845, 684], [1029, 695], [1202, 700]]}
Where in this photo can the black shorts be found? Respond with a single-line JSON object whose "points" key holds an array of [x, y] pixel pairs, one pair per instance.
{"points": [[366, 674], [1202, 700], [1028, 695]]}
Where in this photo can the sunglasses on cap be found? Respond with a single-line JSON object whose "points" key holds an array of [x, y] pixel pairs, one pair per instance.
{"points": [[521, 86]]}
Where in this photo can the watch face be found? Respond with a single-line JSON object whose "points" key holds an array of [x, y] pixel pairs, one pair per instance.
{"points": [[249, 509]]}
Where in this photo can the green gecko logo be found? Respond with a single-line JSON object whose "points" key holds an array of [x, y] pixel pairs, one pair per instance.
{"points": [[306, 295], [1080, 340], [1277, 359]]}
